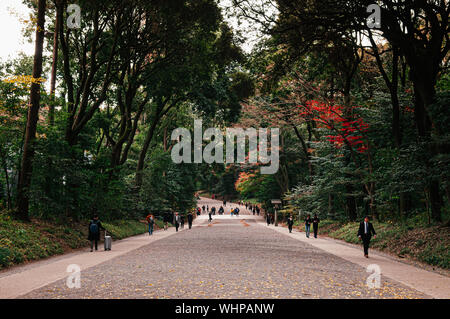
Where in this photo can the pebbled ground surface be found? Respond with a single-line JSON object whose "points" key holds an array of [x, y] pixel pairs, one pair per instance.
{"points": [[228, 258]]}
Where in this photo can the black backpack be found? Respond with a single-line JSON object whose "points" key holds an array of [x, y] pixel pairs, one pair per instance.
{"points": [[93, 227]]}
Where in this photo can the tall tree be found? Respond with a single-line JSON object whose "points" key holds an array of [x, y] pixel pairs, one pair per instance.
{"points": [[32, 119], [59, 15]]}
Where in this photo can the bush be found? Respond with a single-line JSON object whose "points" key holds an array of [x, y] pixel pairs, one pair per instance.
{"points": [[5, 256]]}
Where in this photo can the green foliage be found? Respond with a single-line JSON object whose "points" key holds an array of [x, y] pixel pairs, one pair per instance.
{"points": [[120, 229], [20, 242], [414, 239]]}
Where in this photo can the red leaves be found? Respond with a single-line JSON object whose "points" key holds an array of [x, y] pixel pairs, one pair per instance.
{"points": [[349, 127]]}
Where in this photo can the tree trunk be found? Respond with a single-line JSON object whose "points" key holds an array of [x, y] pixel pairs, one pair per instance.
{"points": [[331, 212], [51, 111], [145, 147], [424, 97], [160, 112], [350, 200], [351, 203], [8, 188], [33, 116]]}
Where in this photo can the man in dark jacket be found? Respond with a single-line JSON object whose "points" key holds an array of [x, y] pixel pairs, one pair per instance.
{"points": [[177, 221], [94, 232], [190, 219], [315, 222], [365, 233], [268, 219], [290, 223]]}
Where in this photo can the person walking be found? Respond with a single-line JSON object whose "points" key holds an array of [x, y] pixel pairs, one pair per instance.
{"points": [[177, 221], [210, 216], [308, 225], [315, 223], [290, 223], [203, 209], [365, 232], [190, 218], [213, 210], [151, 223], [182, 221], [221, 210], [166, 221], [225, 203], [94, 232], [268, 219]]}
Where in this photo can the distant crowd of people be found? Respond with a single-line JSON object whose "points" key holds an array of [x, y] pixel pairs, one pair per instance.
{"points": [[365, 231]]}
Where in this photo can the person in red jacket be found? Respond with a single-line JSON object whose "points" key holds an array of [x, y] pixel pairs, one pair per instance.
{"points": [[151, 222]]}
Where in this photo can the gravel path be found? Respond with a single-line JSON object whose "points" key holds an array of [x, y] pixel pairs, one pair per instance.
{"points": [[228, 258]]}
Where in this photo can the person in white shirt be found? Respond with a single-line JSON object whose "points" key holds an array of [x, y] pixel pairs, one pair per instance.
{"points": [[365, 233]]}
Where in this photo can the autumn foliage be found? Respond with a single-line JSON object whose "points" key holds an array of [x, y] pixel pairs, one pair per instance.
{"points": [[349, 129]]}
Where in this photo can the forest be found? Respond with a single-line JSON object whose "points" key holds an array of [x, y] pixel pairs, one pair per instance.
{"points": [[363, 111]]}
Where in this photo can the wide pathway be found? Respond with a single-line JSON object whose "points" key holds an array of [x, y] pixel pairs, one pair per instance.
{"points": [[231, 257]]}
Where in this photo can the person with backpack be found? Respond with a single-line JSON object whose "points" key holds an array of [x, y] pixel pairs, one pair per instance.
{"points": [[236, 211], [151, 223], [190, 218], [308, 225], [94, 232], [290, 223], [315, 222]]}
